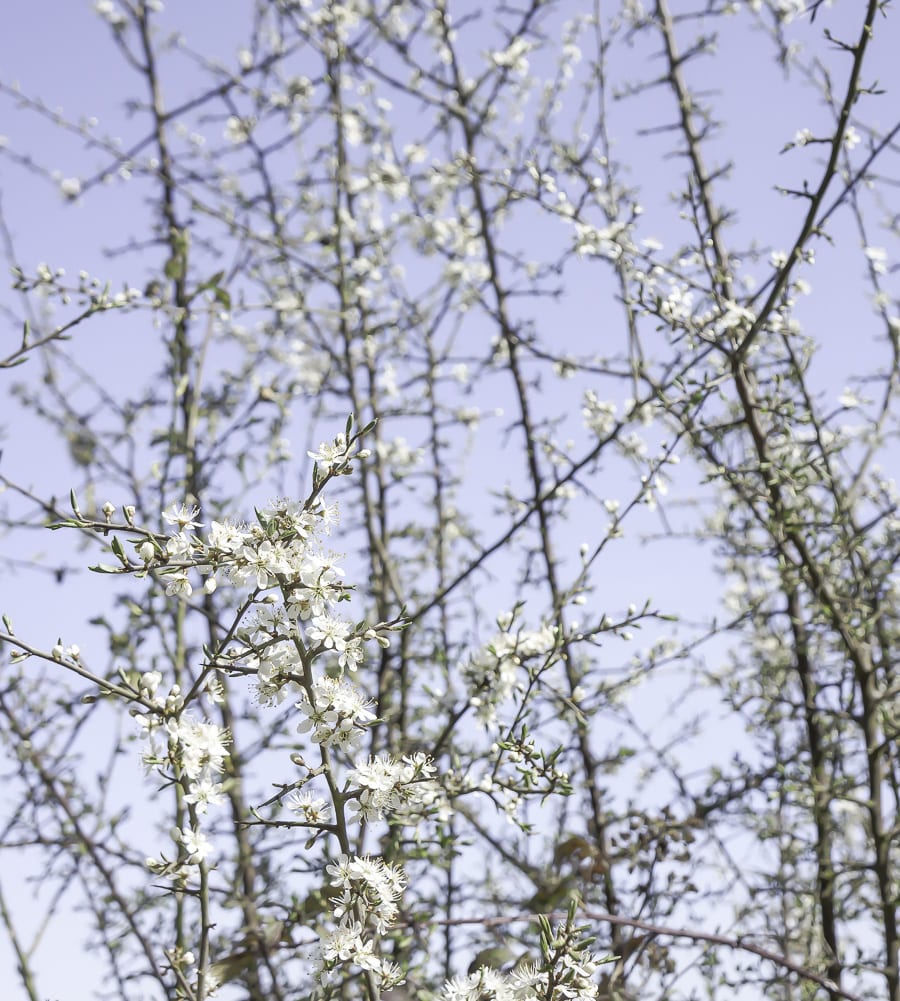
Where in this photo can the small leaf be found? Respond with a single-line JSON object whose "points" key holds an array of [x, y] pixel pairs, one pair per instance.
{"points": [[174, 268], [494, 957]]}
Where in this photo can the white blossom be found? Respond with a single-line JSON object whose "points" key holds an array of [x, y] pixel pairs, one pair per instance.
{"points": [[196, 844]]}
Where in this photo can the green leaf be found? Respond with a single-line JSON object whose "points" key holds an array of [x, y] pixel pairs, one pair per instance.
{"points": [[174, 268], [495, 957], [117, 549]]}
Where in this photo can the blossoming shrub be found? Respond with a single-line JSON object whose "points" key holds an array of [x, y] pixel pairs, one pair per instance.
{"points": [[290, 643]]}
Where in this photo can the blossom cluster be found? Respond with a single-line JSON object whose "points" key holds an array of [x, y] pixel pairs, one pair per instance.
{"points": [[337, 713], [387, 784], [492, 674], [368, 892], [294, 582], [564, 973], [289, 638], [524, 983], [194, 755]]}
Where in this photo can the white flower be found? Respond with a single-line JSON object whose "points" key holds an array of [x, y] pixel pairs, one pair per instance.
{"points": [[205, 792], [150, 680], [70, 187], [633, 11], [485, 983], [225, 537], [313, 808], [330, 631], [110, 13], [371, 889], [787, 10], [182, 516], [338, 713], [399, 456], [342, 944], [237, 130], [513, 56], [179, 545], [260, 564], [877, 258], [608, 241], [735, 317], [851, 137], [599, 415], [330, 453], [200, 747], [318, 585], [196, 844], [379, 780], [387, 784], [179, 584]]}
